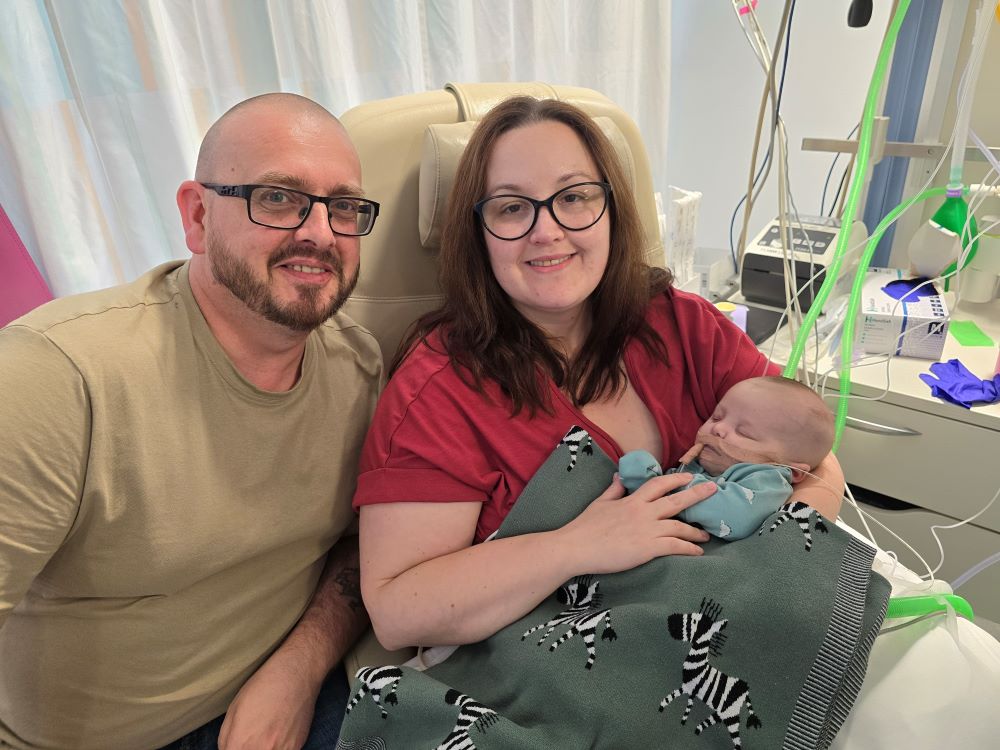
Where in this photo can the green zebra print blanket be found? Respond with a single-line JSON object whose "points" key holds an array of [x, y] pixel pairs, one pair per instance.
{"points": [[760, 643]]}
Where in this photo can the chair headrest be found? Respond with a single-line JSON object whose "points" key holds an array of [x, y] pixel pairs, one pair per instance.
{"points": [[443, 147]]}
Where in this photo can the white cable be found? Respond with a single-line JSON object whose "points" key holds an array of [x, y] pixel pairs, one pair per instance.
{"points": [[865, 516], [963, 96], [933, 172], [963, 522], [762, 51], [975, 570], [887, 359], [769, 93], [984, 149], [852, 502], [926, 333]]}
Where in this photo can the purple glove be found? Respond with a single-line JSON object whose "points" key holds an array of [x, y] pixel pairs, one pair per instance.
{"points": [[956, 384], [910, 290]]}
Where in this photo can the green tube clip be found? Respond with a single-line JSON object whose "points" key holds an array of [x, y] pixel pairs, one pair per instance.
{"points": [[915, 606]]}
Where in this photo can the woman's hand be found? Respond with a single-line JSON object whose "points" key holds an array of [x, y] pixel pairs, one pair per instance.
{"points": [[424, 584], [617, 533]]}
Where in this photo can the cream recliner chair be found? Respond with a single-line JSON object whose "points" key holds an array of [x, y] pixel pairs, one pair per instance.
{"points": [[409, 148]]}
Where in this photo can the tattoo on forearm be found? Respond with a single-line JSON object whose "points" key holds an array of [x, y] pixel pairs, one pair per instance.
{"points": [[348, 582]]}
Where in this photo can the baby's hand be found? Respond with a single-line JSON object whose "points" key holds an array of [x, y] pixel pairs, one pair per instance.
{"points": [[693, 452]]}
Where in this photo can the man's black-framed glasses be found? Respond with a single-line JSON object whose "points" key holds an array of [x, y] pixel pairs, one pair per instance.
{"points": [[575, 207], [284, 208]]}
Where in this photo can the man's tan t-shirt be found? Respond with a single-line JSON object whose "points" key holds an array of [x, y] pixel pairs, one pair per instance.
{"points": [[163, 522]]}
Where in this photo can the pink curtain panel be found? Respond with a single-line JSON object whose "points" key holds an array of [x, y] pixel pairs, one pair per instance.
{"points": [[22, 287]]}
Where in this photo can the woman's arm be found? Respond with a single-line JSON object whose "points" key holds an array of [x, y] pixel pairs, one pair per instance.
{"points": [[825, 490], [423, 583]]}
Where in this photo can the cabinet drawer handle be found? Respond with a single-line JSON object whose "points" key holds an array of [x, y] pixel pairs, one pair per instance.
{"points": [[880, 429]]}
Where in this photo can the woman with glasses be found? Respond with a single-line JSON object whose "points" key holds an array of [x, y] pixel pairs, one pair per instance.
{"points": [[551, 322]]}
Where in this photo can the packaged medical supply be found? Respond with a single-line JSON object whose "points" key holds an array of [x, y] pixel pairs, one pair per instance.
{"points": [[911, 321], [678, 239]]}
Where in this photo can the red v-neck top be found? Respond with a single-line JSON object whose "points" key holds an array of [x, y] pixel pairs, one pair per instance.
{"points": [[434, 439]]}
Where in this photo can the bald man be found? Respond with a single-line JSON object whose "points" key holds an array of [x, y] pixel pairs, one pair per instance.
{"points": [[177, 459]]}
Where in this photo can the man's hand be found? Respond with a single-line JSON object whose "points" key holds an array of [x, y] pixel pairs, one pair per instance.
{"points": [[275, 707], [273, 710]]}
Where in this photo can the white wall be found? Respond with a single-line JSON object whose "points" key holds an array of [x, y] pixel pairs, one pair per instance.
{"points": [[985, 121], [715, 90]]}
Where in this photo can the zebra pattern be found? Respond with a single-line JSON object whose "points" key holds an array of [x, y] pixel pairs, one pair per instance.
{"points": [[374, 680], [801, 514], [368, 743], [575, 440], [471, 714], [724, 695], [582, 616]]}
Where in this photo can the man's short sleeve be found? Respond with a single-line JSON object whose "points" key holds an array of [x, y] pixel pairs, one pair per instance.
{"points": [[44, 445]]}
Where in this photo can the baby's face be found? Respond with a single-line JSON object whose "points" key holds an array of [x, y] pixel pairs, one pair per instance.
{"points": [[744, 428]]}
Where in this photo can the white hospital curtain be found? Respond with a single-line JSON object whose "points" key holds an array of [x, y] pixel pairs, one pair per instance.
{"points": [[103, 102]]}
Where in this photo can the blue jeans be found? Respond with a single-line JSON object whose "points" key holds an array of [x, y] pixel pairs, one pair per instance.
{"points": [[323, 734]]}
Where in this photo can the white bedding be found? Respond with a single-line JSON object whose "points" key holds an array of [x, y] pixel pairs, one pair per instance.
{"points": [[933, 684]]}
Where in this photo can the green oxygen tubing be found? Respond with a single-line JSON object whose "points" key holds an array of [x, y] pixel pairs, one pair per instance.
{"points": [[847, 339], [850, 209], [905, 606]]}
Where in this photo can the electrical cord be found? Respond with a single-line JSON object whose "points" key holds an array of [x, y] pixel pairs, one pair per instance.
{"points": [[904, 208], [829, 174], [767, 157], [769, 93], [787, 207], [886, 359], [732, 219], [840, 186]]}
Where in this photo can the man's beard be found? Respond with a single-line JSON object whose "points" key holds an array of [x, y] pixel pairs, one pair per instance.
{"points": [[304, 314]]}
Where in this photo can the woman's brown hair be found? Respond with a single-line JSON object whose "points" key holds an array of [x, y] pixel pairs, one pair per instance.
{"points": [[483, 333]]}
